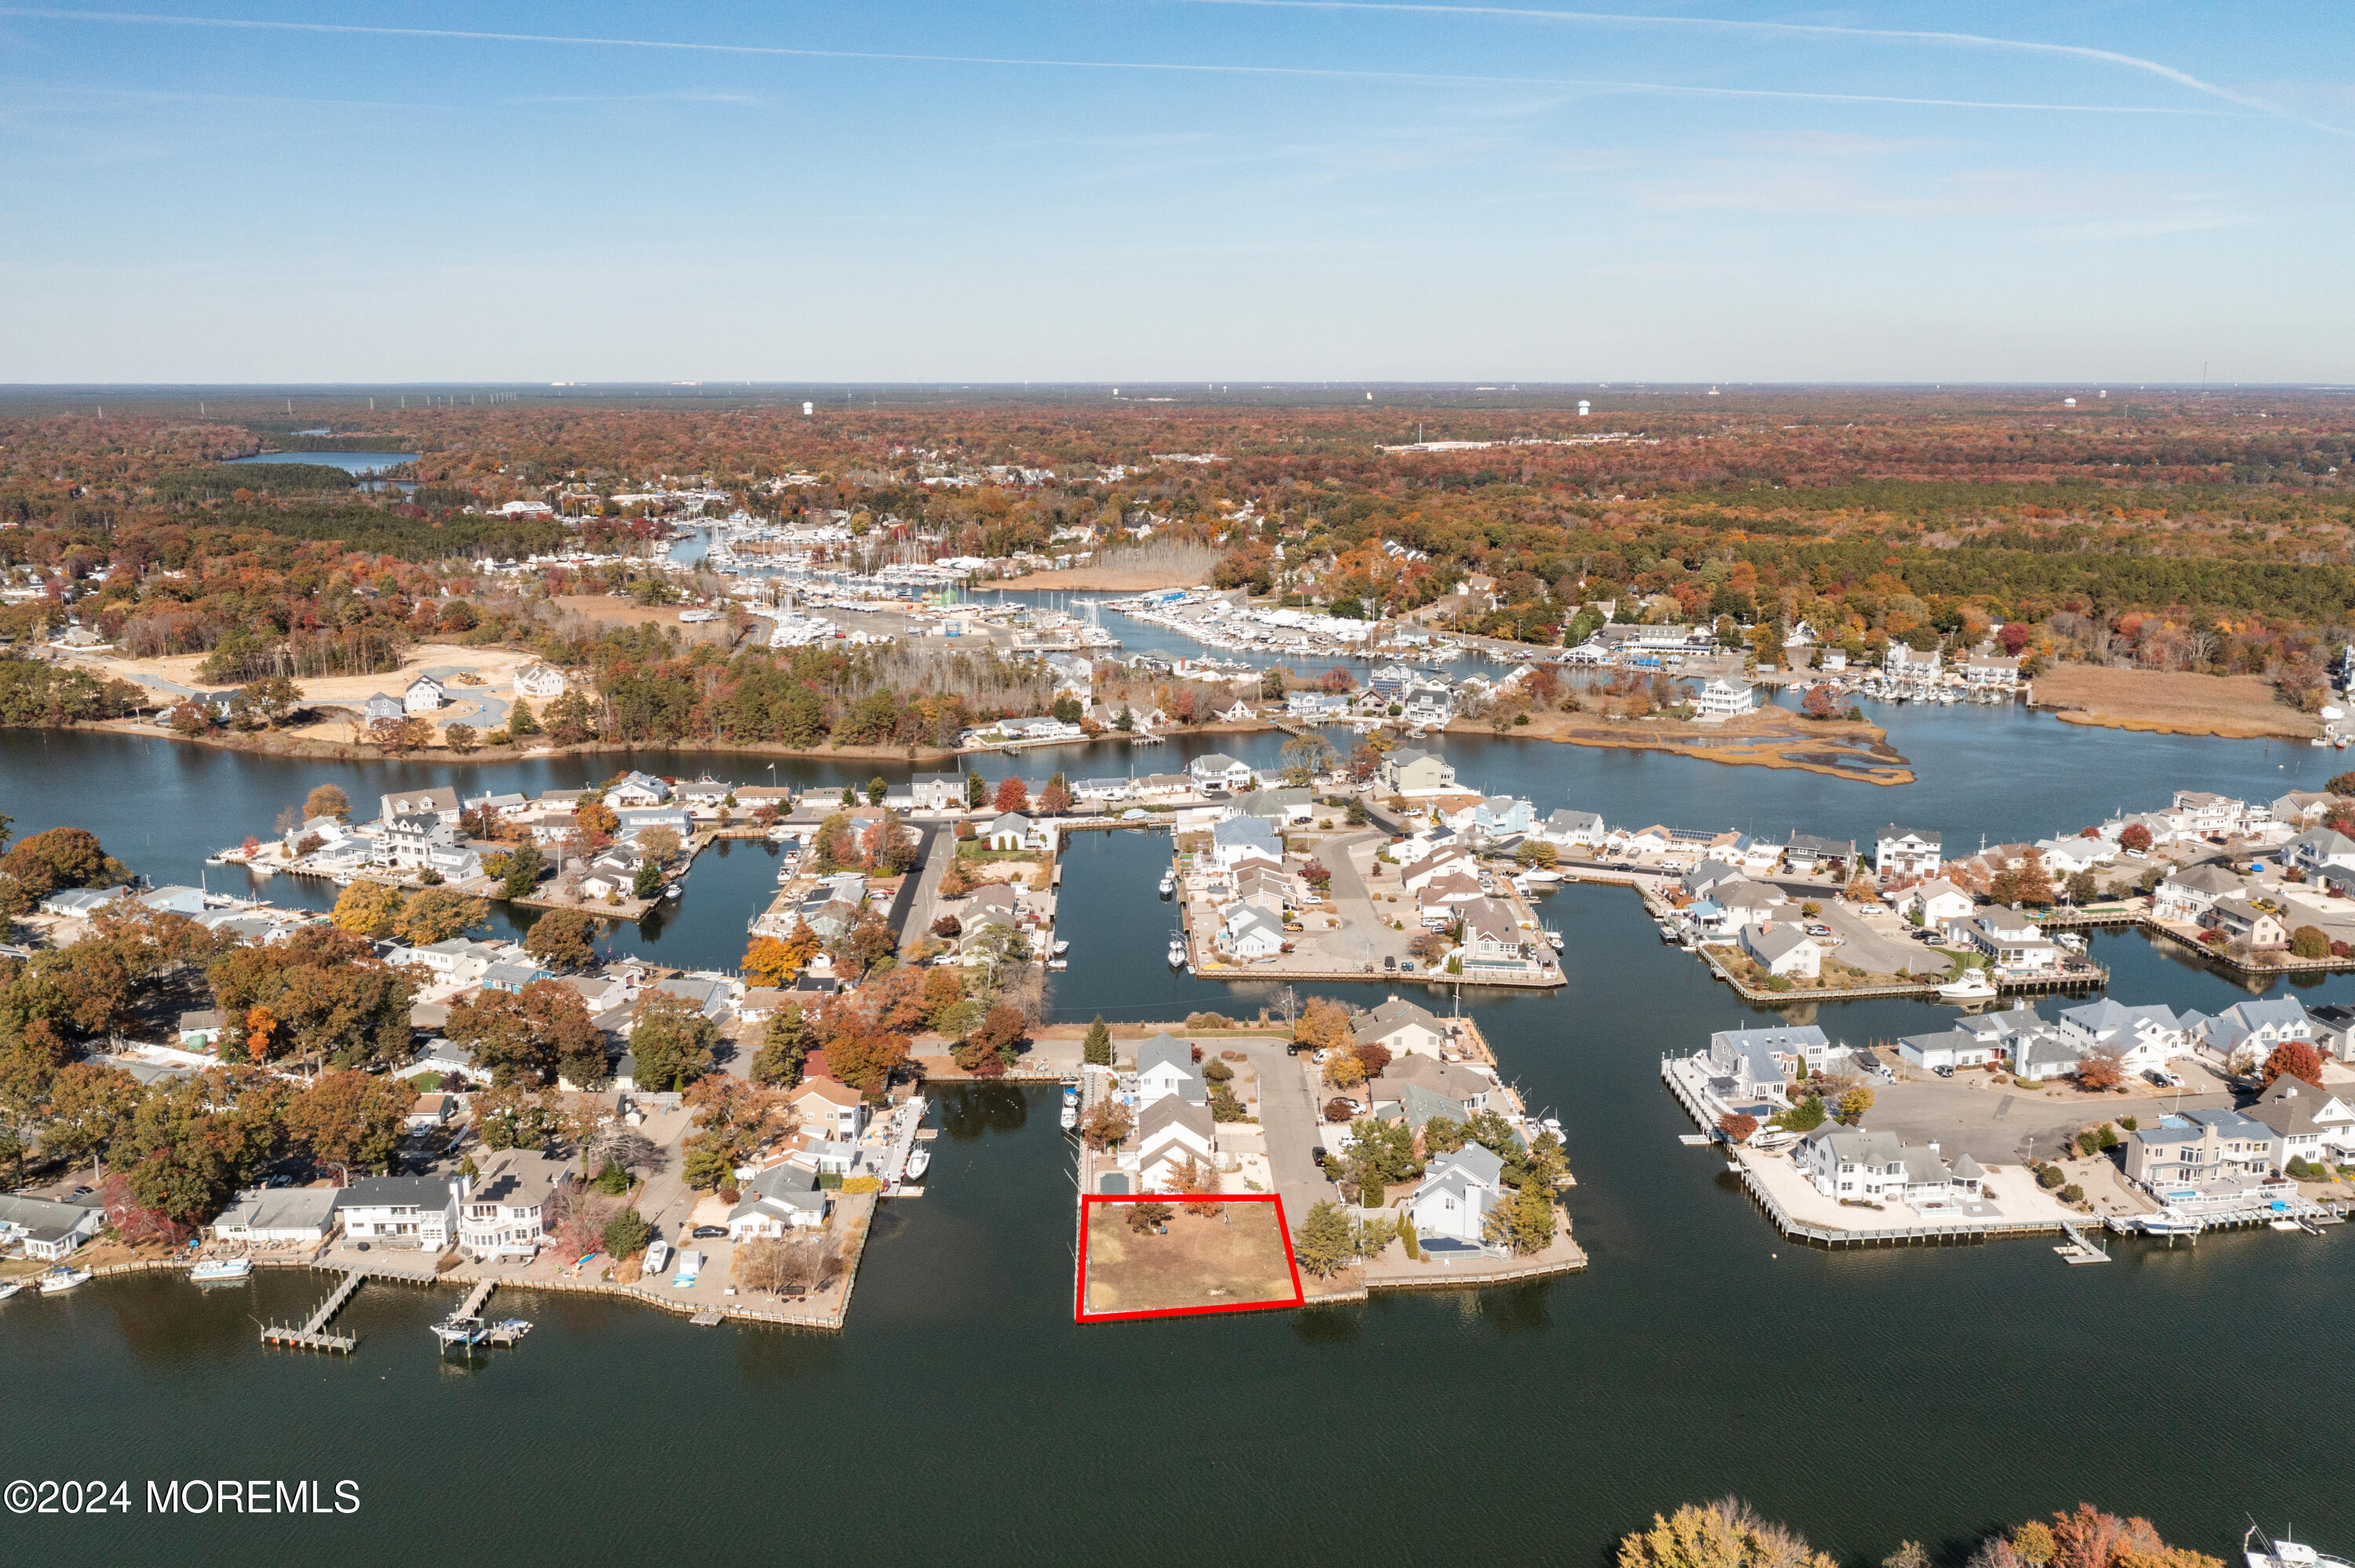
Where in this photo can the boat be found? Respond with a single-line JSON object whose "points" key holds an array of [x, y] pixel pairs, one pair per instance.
{"points": [[1169, 883], [1070, 1116], [2284, 1553], [63, 1277], [2285, 1224], [1177, 954], [219, 1270], [457, 1331], [919, 1159], [672, 891], [1063, 948], [1971, 986], [10, 1287], [2165, 1225], [1059, 965], [1541, 874]]}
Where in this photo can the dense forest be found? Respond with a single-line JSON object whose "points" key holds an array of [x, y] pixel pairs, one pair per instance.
{"points": [[2165, 530]]}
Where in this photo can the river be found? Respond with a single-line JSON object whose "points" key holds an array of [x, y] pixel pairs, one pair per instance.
{"points": [[1861, 1397]]}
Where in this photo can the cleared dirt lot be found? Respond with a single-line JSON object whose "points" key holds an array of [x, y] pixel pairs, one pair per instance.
{"points": [[1236, 1259], [2171, 703]]}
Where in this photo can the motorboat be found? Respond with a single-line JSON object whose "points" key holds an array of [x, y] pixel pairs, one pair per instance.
{"points": [[2284, 1553], [1063, 948], [919, 1159], [221, 1270], [1169, 883], [10, 1287], [1541, 874], [63, 1277], [1070, 1118], [1177, 953], [1970, 986], [672, 891], [1059, 965]]}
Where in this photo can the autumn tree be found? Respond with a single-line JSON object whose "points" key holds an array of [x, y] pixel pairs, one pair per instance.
{"points": [[1722, 1534], [561, 939], [89, 1105], [327, 801], [1194, 1182], [543, 1029], [1737, 1126], [61, 857], [1324, 1025], [368, 908], [436, 914], [671, 1040], [516, 1115], [1013, 794], [2298, 1058], [321, 995], [596, 821], [350, 1120], [1107, 1123], [732, 1120], [2100, 1070], [1321, 1245], [2134, 836]]}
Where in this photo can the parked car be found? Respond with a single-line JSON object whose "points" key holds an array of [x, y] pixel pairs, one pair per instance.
{"points": [[1819, 930], [1944, 1071], [707, 1233]]}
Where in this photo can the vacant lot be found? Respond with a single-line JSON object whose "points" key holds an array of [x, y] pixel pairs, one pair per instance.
{"points": [[2167, 702], [1236, 1259]]}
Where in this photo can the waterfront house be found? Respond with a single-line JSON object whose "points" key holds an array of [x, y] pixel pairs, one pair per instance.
{"points": [[1725, 700], [2013, 944], [1408, 771], [1248, 934], [938, 791], [829, 1109], [1316, 707], [631, 823], [1101, 790], [264, 1216], [1457, 1193], [637, 789], [2194, 1145], [2141, 1038], [1170, 1131], [1753, 1064], [2206, 813], [1239, 839], [2302, 808], [377, 706], [1990, 672], [1748, 902], [1012, 830], [81, 903], [512, 975], [503, 1211], [706, 793], [2188, 895], [1453, 1080], [1161, 786], [439, 803], [1901, 662], [782, 1199], [1852, 1164], [1400, 1028], [47, 1229], [422, 696], [1446, 860], [1265, 887], [2246, 922], [2043, 1053], [2066, 857], [1281, 806], [1709, 874], [1809, 856], [405, 1210], [1905, 852], [1567, 828], [2334, 1030], [1217, 770], [1165, 1066], [1783, 949]]}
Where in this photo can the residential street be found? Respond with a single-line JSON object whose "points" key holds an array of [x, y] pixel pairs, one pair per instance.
{"points": [[1288, 1115], [1363, 933]]}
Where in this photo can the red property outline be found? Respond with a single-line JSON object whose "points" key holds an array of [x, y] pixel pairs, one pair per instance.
{"points": [[1080, 1312]]}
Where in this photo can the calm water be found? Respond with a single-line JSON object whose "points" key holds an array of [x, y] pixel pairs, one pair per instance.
{"points": [[350, 462], [1862, 1397]]}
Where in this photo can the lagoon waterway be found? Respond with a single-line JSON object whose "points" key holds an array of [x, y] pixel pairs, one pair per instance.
{"points": [[1861, 1397]]}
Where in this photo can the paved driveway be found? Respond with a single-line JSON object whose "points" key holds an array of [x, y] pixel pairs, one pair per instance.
{"points": [[1288, 1115], [1363, 934], [928, 888], [2007, 1124], [1881, 946]]}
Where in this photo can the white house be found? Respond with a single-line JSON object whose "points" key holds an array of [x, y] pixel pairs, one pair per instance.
{"points": [[1216, 770], [1903, 664], [2319, 847], [1239, 839], [45, 1229], [2248, 1031], [2011, 941], [1457, 1193], [1724, 699], [406, 1211], [1401, 1028], [784, 1198], [2141, 1038], [1951, 1048], [1567, 828], [1165, 1066], [2189, 893], [1250, 934], [503, 1211], [635, 788], [1937, 901], [1783, 949], [539, 681], [1905, 852], [441, 803], [422, 696], [278, 1216], [1014, 832], [1170, 1132], [1408, 771]]}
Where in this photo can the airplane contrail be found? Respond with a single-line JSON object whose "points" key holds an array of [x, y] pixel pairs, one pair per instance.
{"points": [[133, 18], [1806, 29]]}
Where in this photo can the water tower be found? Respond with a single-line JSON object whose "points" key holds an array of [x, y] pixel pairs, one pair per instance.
{"points": [[1583, 407]]}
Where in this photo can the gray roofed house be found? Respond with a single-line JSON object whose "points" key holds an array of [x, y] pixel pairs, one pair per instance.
{"points": [[1750, 1057], [783, 1197], [1165, 1065], [1278, 805], [1457, 1193], [45, 1228], [1417, 1104], [81, 903], [1239, 836], [279, 1214], [1401, 1026]]}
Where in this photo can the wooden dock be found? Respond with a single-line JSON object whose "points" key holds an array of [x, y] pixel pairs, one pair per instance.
{"points": [[473, 1305], [312, 1334]]}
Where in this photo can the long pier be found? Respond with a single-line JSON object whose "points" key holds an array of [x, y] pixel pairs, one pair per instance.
{"points": [[472, 1306], [312, 1334]]}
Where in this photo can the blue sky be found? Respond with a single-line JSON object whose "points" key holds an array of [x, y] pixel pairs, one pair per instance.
{"points": [[1108, 189]]}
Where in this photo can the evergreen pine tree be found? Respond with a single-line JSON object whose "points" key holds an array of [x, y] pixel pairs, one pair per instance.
{"points": [[1099, 1044], [519, 719], [1323, 1244]]}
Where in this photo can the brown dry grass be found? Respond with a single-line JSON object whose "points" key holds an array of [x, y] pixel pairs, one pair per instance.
{"points": [[2171, 703], [1202, 1262]]}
